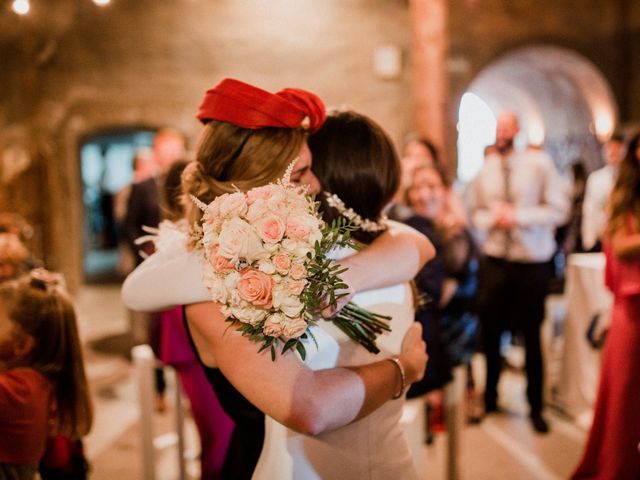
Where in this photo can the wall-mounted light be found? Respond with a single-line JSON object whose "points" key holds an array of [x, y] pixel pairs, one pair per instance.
{"points": [[21, 7], [387, 62], [102, 3]]}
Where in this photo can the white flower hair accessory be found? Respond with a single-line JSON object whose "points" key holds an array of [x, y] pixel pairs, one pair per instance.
{"points": [[363, 224]]}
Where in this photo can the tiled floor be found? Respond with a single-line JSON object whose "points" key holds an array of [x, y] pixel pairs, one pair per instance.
{"points": [[501, 447]]}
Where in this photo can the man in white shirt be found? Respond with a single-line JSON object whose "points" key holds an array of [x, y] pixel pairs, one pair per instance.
{"points": [[597, 191], [516, 201]]}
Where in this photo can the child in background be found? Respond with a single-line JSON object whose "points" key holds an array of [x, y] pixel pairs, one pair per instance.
{"points": [[43, 387]]}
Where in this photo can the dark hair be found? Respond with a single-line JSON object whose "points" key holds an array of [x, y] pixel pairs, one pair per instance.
{"points": [[39, 307], [625, 197], [617, 137], [354, 158], [428, 144]]}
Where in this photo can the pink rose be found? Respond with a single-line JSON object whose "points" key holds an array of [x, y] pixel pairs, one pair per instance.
{"points": [[296, 287], [293, 327], [255, 287], [303, 227], [270, 228], [297, 230], [260, 193], [282, 262], [297, 271], [220, 264], [273, 325], [233, 205]]}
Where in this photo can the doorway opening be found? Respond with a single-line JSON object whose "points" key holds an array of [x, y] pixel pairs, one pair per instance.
{"points": [[106, 161]]}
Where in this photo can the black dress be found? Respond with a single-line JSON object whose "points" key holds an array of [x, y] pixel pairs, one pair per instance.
{"points": [[429, 285], [248, 434]]}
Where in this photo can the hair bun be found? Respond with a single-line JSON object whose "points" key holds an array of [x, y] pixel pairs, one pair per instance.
{"points": [[46, 280]]}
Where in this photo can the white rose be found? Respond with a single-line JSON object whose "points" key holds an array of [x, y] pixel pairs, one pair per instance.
{"points": [[293, 327], [238, 240], [267, 267], [216, 286], [273, 325], [248, 314], [231, 280], [257, 210], [289, 304], [233, 205], [297, 249], [277, 201]]}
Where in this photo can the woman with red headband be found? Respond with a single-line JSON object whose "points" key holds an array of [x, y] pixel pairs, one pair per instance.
{"points": [[250, 137]]}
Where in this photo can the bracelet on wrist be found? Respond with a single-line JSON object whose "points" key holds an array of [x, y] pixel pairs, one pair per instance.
{"points": [[403, 378]]}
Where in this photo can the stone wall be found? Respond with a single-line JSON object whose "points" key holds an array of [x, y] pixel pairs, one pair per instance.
{"points": [[72, 69]]}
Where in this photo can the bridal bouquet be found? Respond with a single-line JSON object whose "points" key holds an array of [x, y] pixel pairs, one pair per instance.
{"points": [[266, 263]]}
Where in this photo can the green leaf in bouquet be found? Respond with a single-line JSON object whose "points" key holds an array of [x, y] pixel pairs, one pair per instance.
{"points": [[301, 350], [289, 345]]}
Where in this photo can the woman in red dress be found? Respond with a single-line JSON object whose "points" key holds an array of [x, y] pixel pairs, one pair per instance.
{"points": [[613, 448]]}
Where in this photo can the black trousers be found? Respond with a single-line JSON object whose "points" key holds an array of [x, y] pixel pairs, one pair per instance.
{"points": [[511, 295]]}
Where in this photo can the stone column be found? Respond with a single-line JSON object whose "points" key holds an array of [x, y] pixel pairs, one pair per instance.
{"points": [[429, 53]]}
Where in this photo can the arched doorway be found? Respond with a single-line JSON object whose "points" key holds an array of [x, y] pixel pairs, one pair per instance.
{"points": [[564, 103]]}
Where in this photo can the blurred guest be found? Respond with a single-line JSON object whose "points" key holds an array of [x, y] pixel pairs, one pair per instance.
{"points": [[426, 196], [419, 151], [599, 186], [13, 256], [214, 426], [144, 209], [144, 168], [43, 386], [518, 200], [612, 449], [143, 206], [456, 258], [571, 241]]}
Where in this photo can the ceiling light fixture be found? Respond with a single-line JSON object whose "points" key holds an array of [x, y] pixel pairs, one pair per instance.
{"points": [[21, 7]]}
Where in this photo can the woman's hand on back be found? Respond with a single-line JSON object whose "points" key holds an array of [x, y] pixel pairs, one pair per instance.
{"points": [[413, 355]]}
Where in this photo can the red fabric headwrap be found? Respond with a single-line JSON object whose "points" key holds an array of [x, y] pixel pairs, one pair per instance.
{"points": [[250, 107]]}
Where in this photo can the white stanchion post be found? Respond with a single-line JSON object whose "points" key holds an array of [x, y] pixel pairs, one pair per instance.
{"points": [[180, 426], [453, 401], [144, 362]]}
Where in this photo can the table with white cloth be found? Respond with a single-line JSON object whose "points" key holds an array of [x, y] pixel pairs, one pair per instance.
{"points": [[588, 308]]}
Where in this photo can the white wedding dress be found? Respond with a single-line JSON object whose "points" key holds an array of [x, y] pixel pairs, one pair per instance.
{"points": [[373, 447]]}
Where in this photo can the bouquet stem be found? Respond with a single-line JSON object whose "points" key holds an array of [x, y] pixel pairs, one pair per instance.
{"points": [[361, 326]]}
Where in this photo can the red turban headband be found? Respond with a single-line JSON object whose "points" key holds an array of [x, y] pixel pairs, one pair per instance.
{"points": [[250, 107]]}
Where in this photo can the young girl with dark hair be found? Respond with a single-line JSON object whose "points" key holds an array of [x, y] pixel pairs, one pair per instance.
{"points": [[43, 387]]}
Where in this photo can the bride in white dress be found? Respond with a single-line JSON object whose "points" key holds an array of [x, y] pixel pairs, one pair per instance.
{"points": [[347, 147], [312, 399]]}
